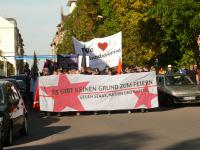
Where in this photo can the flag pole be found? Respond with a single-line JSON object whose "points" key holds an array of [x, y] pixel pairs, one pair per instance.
{"points": [[83, 62]]}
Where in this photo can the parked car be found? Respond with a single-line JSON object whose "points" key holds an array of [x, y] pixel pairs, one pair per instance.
{"points": [[13, 113], [19, 84], [22, 88], [13, 81], [1, 146], [24, 78], [1, 77], [177, 88]]}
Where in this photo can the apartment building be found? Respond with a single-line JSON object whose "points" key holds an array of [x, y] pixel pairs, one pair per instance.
{"points": [[11, 43]]}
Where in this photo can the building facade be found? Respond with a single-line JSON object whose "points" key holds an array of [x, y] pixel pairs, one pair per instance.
{"points": [[57, 38], [11, 43], [60, 32]]}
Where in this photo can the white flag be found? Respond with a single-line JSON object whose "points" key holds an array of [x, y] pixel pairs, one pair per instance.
{"points": [[102, 52]]}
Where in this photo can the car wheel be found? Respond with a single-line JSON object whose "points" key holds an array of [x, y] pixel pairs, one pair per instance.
{"points": [[24, 130], [9, 140]]}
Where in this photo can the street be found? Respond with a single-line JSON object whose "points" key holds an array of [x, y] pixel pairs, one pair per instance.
{"points": [[163, 128], [92, 67]]}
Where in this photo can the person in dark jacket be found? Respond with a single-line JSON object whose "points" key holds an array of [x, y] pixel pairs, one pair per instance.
{"points": [[169, 70]]}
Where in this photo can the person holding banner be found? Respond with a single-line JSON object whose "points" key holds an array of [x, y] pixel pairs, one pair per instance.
{"points": [[33, 84], [106, 71], [96, 71], [127, 70], [45, 72]]}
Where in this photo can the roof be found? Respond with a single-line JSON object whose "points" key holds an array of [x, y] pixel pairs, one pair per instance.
{"points": [[13, 21], [4, 23]]}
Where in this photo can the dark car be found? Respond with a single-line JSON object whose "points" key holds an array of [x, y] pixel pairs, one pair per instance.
{"points": [[22, 77], [19, 84], [22, 87], [2, 77], [13, 81], [177, 88], [13, 113]]}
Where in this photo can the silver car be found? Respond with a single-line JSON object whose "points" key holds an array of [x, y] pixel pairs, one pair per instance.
{"points": [[177, 88]]}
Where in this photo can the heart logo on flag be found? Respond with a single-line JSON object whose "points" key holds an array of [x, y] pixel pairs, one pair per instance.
{"points": [[103, 46]]}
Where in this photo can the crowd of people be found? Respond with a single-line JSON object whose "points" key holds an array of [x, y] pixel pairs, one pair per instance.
{"points": [[95, 71], [84, 70], [193, 72]]}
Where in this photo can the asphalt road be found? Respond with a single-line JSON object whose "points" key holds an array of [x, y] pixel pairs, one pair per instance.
{"points": [[166, 128]]}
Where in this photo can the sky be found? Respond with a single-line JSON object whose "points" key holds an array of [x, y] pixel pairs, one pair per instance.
{"points": [[36, 21]]}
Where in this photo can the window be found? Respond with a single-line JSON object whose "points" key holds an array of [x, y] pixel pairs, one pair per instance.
{"points": [[177, 80], [160, 81]]}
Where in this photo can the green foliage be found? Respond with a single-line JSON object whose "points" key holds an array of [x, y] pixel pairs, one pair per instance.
{"points": [[164, 29], [130, 14], [80, 24], [187, 59], [178, 20]]}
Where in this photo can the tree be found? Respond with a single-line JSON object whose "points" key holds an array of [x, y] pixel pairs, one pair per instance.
{"points": [[165, 29], [178, 21], [80, 24], [34, 68], [123, 15]]}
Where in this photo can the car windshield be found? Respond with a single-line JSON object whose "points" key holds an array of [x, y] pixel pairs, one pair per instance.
{"points": [[19, 77], [1, 96], [177, 80], [21, 84]]}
